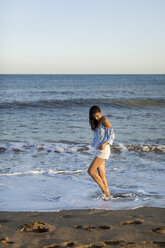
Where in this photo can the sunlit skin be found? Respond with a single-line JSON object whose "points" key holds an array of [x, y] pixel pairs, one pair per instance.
{"points": [[97, 168]]}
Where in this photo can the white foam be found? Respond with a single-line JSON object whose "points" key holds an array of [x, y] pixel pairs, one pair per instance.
{"points": [[114, 169], [145, 149], [66, 182], [33, 146], [142, 191], [37, 172], [122, 146], [162, 148]]}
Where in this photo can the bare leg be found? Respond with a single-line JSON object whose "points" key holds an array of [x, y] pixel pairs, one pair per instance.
{"points": [[101, 171], [92, 172]]}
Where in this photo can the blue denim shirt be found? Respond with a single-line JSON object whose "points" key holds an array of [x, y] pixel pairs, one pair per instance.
{"points": [[102, 134]]}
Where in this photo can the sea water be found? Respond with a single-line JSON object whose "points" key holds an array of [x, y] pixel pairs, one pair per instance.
{"points": [[45, 141]]}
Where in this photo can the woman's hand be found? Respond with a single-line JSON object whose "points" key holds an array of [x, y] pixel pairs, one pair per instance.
{"points": [[103, 146]]}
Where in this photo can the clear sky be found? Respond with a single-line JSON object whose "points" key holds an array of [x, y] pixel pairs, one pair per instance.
{"points": [[82, 36]]}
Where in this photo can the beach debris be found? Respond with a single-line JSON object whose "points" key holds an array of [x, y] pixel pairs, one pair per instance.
{"points": [[36, 226], [17, 150], [149, 244], [159, 230], [96, 245], [64, 244], [114, 242], [5, 240], [2, 149], [160, 243], [105, 227], [135, 221], [87, 228], [92, 228]]}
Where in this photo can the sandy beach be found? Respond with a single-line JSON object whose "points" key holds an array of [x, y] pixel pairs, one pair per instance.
{"points": [[142, 227]]}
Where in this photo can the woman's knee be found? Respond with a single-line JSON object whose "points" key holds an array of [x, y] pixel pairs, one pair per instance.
{"points": [[90, 171], [93, 166]]}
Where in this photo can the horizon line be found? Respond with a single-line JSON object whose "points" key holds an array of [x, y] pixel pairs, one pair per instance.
{"points": [[82, 73]]}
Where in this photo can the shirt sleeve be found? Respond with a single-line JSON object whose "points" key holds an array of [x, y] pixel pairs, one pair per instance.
{"points": [[110, 135], [94, 140]]}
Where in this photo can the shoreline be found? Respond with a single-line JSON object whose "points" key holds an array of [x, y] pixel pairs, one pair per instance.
{"points": [[83, 228]]}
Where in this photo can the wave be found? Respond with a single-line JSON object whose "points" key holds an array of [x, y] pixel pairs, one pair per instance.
{"points": [[140, 148], [68, 147], [42, 172], [113, 102]]}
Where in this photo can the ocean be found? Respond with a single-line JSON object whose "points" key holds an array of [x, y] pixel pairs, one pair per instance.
{"points": [[45, 141]]}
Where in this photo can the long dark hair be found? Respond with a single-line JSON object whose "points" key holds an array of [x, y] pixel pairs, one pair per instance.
{"points": [[93, 123]]}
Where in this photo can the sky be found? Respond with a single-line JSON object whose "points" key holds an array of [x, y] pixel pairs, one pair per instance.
{"points": [[82, 36]]}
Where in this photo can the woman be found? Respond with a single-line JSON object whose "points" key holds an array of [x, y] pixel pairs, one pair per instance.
{"points": [[102, 139]]}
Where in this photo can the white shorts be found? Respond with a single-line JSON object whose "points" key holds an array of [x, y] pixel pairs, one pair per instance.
{"points": [[105, 153]]}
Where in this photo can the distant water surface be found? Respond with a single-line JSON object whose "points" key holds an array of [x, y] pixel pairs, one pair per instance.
{"points": [[45, 141]]}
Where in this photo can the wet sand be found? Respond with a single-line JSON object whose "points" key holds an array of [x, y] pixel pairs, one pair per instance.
{"points": [[142, 227]]}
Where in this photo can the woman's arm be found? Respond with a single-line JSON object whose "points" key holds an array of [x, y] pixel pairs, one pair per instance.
{"points": [[106, 123]]}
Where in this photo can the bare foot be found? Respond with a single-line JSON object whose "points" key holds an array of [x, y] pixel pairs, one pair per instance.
{"points": [[106, 197], [107, 193]]}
